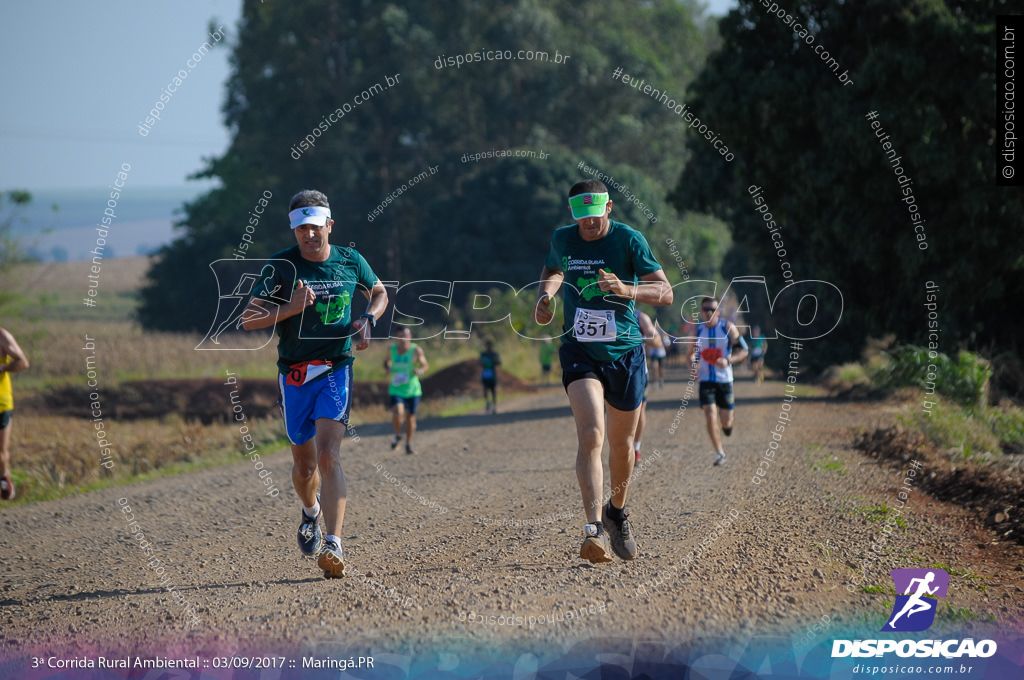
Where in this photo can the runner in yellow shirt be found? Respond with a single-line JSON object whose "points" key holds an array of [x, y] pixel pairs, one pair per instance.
{"points": [[12, 360]]}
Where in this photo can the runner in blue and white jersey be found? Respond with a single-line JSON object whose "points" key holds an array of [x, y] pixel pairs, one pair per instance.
{"points": [[720, 346]]}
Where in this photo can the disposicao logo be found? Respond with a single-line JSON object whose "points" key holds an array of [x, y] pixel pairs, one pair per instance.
{"points": [[914, 611]]}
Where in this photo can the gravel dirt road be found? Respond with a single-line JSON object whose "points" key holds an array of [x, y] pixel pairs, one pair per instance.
{"points": [[485, 523]]}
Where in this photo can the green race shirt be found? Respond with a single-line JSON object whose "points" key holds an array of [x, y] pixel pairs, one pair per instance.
{"points": [[404, 382], [323, 330], [547, 353], [588, 311]]}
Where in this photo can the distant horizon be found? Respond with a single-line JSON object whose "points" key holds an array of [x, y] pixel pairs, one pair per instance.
{"points": [[145, 218], [200, 185]]}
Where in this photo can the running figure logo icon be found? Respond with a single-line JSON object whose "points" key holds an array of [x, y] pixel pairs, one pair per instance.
{"points": [[243, 277], [914, 610]]}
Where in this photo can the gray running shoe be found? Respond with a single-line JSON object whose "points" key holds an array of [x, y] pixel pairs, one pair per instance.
{"points": [[620, 534], [596, 547], [719, 458]]}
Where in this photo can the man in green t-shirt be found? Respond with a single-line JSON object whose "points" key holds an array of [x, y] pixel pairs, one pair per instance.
{"points": [[603, 267], [405, 364], [315, 329]]}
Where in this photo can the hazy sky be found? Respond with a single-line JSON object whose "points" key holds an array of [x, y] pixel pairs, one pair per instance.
{"points": [[78, 77]]}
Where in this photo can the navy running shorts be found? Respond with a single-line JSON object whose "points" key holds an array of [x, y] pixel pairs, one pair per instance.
{"points": [[624, 380], [411, 403]]}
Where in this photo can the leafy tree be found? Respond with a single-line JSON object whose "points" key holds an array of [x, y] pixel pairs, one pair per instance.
{"points": [[286, 78], [926, 67], [15, 248]]}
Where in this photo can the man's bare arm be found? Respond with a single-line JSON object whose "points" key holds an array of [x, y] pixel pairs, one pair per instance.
{"points": [[550, 281], [10, 347], [258, 314]]}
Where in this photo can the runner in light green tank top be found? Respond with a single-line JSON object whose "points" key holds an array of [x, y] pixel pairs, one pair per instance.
{"points": [[405, 382], [405, 365]]}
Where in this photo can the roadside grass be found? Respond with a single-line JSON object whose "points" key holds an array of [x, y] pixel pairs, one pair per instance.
{"points": [[803, 391], [56, 456], [832, 464], [960, 433], [878, 513], [946, 399], [53, 292], [852, 374], [122, 352]]}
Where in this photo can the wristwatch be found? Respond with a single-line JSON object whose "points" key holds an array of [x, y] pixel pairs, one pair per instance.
{"points": [[372, 318]]}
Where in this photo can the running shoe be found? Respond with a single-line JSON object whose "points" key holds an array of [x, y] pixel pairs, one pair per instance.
{"points": [[311, 538], [595, 548], [409, 450], [727, 431], [719, 458], [7, 488], [394, 441], [636, 454], [620, 534], [331, 560]]}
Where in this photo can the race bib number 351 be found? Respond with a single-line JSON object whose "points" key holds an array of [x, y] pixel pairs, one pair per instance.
{"points": [[594, 325]]}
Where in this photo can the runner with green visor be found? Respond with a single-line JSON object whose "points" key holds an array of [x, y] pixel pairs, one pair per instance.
{"points": [[605, 267]]}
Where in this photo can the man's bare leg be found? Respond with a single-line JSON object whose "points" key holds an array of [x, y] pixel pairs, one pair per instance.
{"points": [[305, 477], [333, 492], [711, 420], [586, 397], [621, 427]]}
